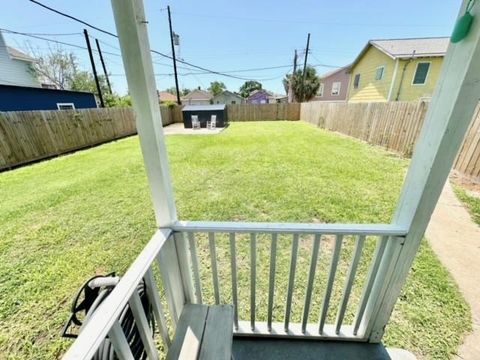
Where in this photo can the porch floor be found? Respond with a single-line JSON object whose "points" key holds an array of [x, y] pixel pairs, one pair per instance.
{"points": [[275, 349]]}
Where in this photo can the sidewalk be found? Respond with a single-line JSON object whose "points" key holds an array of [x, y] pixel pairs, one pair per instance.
{"points": [[455, 238]]}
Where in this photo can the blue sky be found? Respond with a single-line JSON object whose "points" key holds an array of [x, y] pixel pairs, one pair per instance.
{"points": [[230, 36]]}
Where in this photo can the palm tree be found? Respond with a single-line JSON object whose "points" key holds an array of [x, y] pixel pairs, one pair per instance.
{"points": [[303, 91]]}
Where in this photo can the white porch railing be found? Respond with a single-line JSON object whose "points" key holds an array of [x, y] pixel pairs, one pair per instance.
{"points": [[205, 262], [183, 260]]}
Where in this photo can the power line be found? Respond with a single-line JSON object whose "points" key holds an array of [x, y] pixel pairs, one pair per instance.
{"points": [[157, 63], [73, 18], [152, 50], [51, 40]]}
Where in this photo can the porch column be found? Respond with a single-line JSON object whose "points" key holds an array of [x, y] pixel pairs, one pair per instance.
{"points": [[453, 103], [131, 27]]}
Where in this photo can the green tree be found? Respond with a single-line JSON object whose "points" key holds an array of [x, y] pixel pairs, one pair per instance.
{"points": [[248, 87], [172, 90], [216, 87], [303, 91], [84, 81]]}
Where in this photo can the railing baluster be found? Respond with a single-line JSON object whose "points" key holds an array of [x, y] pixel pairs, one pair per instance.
{"points": [[233, 263], [195, 267], [291, 281], [271, 282], [143, 328], [154, 297], [372, 273], [119, 342], [331, 278], [253, 277], [311, 279], [213, 258], [349, 283]]}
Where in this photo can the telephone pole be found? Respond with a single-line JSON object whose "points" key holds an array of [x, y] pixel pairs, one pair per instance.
{"points": [[305, 68], [291, 96], [295, 62], [179, 102], [103, 65], [87, 39]]}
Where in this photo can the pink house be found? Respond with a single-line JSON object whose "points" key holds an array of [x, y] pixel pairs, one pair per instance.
{"points": [[334, 85]]}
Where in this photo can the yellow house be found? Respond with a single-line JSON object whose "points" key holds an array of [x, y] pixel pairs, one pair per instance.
{"points": [[397, 69]]}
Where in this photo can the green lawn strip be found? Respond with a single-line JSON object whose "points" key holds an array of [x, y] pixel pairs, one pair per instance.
{"points": [[66, 219], [472, 203]]}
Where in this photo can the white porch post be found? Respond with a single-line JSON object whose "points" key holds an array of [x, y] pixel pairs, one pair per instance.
{"points": [[137, 61], [131, 27], [453, 103]]}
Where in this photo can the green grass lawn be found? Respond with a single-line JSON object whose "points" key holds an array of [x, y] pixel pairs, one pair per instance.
{"points": [[66, 219], [471, 202]]}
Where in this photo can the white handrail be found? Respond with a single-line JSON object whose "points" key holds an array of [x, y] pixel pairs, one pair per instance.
{"points": [[289, 228], [97, 328]]}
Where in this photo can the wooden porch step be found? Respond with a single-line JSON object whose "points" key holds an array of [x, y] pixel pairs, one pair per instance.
{"points": [[203, 332]]}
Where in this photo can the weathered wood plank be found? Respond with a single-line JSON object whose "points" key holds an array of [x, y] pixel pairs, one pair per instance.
{"points": [[218, 335], [189, 332]]}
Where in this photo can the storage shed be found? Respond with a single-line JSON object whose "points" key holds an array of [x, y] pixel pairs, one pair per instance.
{"points": [[204, 113], [25, 98]]}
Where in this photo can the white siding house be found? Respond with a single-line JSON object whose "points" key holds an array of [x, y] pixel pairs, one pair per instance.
{"points": [[15, 67]]}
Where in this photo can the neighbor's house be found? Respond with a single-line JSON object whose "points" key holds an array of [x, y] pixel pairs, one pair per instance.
{"points": [[258, 97], [164, 96], [397, 69], [197, 97], [20, 89], [228, 97], [16, 68], [334, 85], [277, 99]]}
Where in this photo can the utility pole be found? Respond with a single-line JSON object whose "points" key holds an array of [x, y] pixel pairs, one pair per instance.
{"points": [[179, 102], [291, 96], [87, 39], [305, 68], [103, 65], [295, 62]]}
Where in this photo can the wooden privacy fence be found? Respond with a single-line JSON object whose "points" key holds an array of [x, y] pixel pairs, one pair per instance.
{"points": [[393, 125], [263, 112], [27, 136]]}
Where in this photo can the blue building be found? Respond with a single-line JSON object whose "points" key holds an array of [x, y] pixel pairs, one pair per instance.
{"points": [[24, 98]]}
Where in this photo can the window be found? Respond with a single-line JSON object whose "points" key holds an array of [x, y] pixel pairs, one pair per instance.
{"points": [[336, 88], [65, 106], [233, 102], [356, 81], [320, 89], [421, 73], [379, 73]]}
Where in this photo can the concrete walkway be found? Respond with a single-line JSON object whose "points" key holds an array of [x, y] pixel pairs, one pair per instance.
{"points": [[455, 238], [178, 129]]}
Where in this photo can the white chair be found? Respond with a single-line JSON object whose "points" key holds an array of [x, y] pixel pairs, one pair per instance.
{"points": [[195, 122], [212, 124]]}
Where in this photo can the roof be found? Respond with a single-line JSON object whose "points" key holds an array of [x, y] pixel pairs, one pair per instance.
{"points": [[408, 48], [18, 55], [166, 96], [198, 94], [226, 92], [334, 71], [203, 107], [277, 96], [44, 89], [263, 91]]}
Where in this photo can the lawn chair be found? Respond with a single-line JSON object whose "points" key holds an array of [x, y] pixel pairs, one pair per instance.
{"points": [[195, 122], [212, 124]]}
